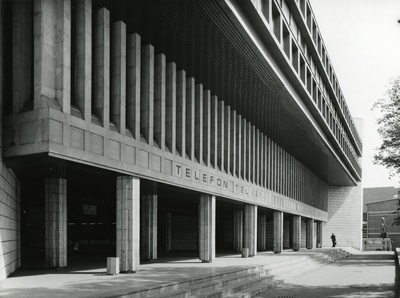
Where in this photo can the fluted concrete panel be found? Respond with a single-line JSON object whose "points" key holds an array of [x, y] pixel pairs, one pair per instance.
{"points": [[278, 231], [160, 69], [22, 58], [238, 155], [309, 233], [83, 57], [296, 232], [190, 120], [63, 56], [262, 232], [207, 127], [227, 138], [118, 76], [44, 70], [233, 144], [250, 229], [244, 151], [147, 94], [101, 79], [249, 151], [56, 222], [221, 135], [170, 109], [214, 131], [128, 223], [237, 230], [207, 213], [198, 123], [181, 112], [133, 68]]}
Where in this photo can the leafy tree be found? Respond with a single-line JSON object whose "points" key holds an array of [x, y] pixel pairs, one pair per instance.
{"points": [[388, 154]]}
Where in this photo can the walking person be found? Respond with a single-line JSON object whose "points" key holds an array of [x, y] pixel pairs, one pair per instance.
{"points": [[333, 238]]}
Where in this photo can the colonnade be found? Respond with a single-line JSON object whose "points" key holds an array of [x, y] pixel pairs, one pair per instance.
{"points": [[137, 228]]}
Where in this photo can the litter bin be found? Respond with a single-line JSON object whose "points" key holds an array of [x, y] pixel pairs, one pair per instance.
{"points": [[245, 253], [112, 265]]}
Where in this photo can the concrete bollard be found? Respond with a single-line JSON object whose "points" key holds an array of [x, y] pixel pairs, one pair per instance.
{"points": [[113, 266], [245, 253]]}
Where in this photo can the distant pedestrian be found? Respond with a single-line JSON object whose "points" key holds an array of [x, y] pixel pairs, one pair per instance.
{"points": [[333, 238]]}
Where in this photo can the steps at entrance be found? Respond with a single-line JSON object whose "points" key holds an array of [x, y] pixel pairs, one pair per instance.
{"points": [[244, 282]]}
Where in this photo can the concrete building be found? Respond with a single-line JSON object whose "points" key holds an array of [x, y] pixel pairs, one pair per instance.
{"points": [[142, 127]]}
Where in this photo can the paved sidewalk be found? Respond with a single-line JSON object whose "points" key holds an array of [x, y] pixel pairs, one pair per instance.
{"points": [[87, 278], [361, 275]]}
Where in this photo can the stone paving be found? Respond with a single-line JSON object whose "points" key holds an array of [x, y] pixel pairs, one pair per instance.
{"points": [[361, 275], [365, 274]]}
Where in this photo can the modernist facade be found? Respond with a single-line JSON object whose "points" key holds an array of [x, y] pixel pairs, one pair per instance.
{"points": [[149, 126]]}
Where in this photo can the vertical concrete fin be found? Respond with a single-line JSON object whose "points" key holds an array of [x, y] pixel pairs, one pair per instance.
{"points": [[170, 109], [159, 99]]}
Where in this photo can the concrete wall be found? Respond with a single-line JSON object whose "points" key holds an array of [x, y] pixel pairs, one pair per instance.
{"points": [[10, 245], [344, 217]]}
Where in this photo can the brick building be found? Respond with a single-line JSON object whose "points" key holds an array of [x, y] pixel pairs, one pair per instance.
{"points": [[138, 128]]}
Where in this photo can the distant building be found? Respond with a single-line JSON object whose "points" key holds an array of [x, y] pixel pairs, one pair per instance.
{"points": [[383, 213], [373, 195]]}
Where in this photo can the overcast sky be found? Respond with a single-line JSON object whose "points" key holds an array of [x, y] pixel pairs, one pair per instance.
{"points": [[362, 38]]}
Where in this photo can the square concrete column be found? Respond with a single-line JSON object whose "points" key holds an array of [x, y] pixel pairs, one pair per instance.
{"points": [[250, 229], [56, 222], [319, 234], [237, 230], [278, 231], [262, 232], [296, 232], [148, 219], [309, 233], [128, 223], [207, 212]]}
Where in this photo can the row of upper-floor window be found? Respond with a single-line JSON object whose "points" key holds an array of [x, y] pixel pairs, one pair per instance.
{"points": [[312, 27], [287, 34]]}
